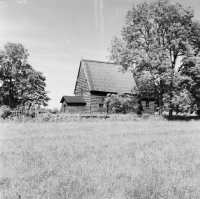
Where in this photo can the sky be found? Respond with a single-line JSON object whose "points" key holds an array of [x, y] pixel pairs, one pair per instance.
{"points": [[59, 33]]}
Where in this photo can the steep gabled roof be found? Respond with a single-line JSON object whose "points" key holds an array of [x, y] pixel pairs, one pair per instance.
{"points": [[73, 100], [107, 77]]}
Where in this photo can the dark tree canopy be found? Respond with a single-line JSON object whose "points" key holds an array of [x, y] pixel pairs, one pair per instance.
{"points": [[155, 35], [22, 85]]}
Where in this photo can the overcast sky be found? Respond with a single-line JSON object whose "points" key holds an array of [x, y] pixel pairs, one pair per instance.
{"points": [[58, 33]]}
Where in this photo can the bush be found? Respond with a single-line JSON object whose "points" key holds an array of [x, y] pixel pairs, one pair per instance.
{"points": [[198, 112], [5, 111], [117, 103], [55, 111]]}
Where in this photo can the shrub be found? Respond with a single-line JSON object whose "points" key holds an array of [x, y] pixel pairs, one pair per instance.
{"points": [[117, 103], [198, 112], [55, 111], [146, 116], [5, 111]]}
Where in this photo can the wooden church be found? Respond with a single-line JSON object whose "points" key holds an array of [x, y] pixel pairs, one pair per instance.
{"points": [[95, 80]]}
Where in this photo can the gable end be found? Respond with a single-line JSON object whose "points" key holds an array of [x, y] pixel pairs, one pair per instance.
{"points": [[81, 81]]}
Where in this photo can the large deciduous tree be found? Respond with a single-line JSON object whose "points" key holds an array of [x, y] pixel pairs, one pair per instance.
{"points": [[22, 85], [153, 39]]}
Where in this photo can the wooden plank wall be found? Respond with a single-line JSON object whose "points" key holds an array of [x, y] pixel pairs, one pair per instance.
{"points": [[82, 88], [96, 99], [81, 81], [62, 107], [72, 108], [75, 109], [87, 97]]}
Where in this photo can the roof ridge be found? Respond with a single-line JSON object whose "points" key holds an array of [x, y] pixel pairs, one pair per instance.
{"points": [[70, 96], [98, 61]]}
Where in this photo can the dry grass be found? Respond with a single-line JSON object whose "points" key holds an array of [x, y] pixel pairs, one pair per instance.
{"points": [[141, 159]]}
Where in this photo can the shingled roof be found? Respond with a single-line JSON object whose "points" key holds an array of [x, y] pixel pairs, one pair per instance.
{"points": [[108, 77], [73, 100]]}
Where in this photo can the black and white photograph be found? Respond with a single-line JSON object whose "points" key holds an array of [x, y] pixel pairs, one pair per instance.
{"points": [[100, 99]]}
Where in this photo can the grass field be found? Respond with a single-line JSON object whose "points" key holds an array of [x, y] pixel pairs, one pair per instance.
{"points": [[100, 160]]}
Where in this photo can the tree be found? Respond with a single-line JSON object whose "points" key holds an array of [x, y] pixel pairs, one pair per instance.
{"points": [[155, 35], [145, 85], [190, 78], [22, 85]]}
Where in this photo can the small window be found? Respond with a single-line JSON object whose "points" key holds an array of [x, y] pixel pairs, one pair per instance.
{"points": [[100, 105], [147, 104]]}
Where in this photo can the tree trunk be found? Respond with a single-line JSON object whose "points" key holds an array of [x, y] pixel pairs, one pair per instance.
{"points": [[171, 97], [170, 113], [10, 92], [160, 96], [160, 105]]}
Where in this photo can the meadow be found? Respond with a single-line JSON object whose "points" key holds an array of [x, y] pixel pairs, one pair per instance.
{"points": [[102, 159]]}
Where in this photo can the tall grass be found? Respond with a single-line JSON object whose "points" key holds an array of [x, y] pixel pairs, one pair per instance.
{"points": [[104, 159], [92, 117]]}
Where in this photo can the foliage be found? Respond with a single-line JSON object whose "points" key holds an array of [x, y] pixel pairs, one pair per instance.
{"points": [[191, 77], [5, 112], [117, 103], [22, 85], [198, 112], [155, 35], [145, 84], [54, 110], [181, 101]]}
